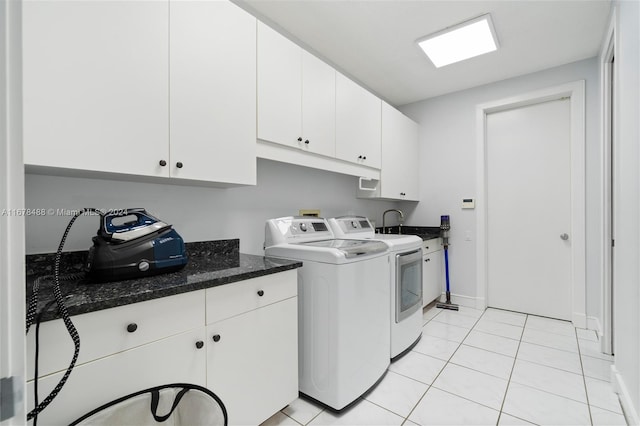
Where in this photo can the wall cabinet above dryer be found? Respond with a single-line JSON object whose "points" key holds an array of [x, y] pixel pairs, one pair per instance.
{"points": [[296, 95], [399, 179], [358, 118], [139, 88], [399, 172]]}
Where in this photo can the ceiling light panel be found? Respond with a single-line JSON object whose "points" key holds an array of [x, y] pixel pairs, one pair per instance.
{"points": [[463, 41]]}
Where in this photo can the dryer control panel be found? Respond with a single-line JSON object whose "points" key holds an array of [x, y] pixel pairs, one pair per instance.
{"points": [[351, 226]]}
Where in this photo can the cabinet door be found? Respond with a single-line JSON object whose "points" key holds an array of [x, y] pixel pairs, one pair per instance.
{"points": [[253, 366], [279, 88], [399, 172], [432, 276], [358, 115], [318, 106], [172, 360], [96, 82], [212, 92]]}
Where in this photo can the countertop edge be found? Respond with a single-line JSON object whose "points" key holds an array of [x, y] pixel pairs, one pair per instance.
{"points": [[225, 276]]}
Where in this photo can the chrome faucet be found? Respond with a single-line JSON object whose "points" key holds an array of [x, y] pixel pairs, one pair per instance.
{"points": [[401, 219]]}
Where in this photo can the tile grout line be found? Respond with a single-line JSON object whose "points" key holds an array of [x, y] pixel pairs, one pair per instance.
{"points": [[443, 367], [515, 358], [584, 380]]}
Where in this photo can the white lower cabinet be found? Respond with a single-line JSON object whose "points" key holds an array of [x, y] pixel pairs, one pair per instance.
{"points": [[252, 362], [432, 270], [171, 360]]}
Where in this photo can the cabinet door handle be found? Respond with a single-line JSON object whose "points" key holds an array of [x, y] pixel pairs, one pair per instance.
{"points": [[403, 193], [364, 157], [163, 163], [199, 344], [299, 139], [179, 165], [307, 141], [260, 293], [427, 259], [132, 327], [216, 337], [360, 157]]}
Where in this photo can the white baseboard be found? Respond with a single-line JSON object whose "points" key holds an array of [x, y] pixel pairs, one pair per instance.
{"points": [[467, 301], [626, 401], [593, 323], [579, 320]]}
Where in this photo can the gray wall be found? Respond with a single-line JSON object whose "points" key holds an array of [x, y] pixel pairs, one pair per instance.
{"points": [[626, 265], [197, 213], [448, 167]]}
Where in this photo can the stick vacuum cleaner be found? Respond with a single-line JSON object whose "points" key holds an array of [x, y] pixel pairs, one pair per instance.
{"points": [[445, 225]]}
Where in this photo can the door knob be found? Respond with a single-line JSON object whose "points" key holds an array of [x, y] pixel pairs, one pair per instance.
{"points": [[564, 237]]}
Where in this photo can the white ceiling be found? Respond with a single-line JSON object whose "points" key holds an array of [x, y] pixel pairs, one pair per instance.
{"points": [[373, 41]]}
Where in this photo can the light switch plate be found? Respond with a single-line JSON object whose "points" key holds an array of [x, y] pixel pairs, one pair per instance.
{"points": [[468, 203]]}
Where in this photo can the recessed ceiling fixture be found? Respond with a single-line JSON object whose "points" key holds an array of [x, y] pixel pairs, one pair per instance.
{"points": [[459, 42]]}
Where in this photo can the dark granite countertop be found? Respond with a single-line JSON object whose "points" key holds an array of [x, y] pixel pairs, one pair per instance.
{"points": [[211, 264], [424, 232]]}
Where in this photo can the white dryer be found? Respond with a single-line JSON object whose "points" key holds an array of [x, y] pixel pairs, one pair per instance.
{"points": [[405, 279], [343, 308]]}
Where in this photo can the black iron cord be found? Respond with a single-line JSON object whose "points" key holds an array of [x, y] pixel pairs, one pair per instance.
{"points": [[62, 311]]}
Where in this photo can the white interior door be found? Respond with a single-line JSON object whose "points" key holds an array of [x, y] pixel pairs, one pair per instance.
{"points": [[529, 209]]}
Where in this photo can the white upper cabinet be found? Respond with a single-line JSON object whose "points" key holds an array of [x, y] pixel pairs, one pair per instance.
{"points": [[318, 106], [212, 92], [279, 88], [358, 115], [399, 172], [296, 95], [96, 85], [147, 88]]}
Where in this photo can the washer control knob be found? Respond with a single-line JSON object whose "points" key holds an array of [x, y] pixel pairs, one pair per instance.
{"points": [[303, 227]]}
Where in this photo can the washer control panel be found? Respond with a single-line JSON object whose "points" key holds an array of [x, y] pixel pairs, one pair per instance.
{"points": [[294, 229]]}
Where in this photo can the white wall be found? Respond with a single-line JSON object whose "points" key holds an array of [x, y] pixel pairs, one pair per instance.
{"points": [[197, 213], [448, 167], [626, 269]]}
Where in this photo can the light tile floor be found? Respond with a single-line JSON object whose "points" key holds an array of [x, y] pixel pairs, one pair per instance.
{"points": [[484, 368]]}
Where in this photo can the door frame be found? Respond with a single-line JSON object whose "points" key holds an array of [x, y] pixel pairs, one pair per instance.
{"points": [[12, 243], [575, 91], [607, 53]]}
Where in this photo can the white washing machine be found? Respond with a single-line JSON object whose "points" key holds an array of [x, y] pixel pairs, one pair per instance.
{"points": [[343, 308], [405, 279]]}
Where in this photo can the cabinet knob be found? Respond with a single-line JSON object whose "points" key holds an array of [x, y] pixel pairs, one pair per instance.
{"points": [[427, 259], [403, 193], [260, 293], [132, 327], [307, 141], [179, 165], [216, 337], [360, 157], [364, 157], [199, 344], [299, 139], [163, 163]]}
